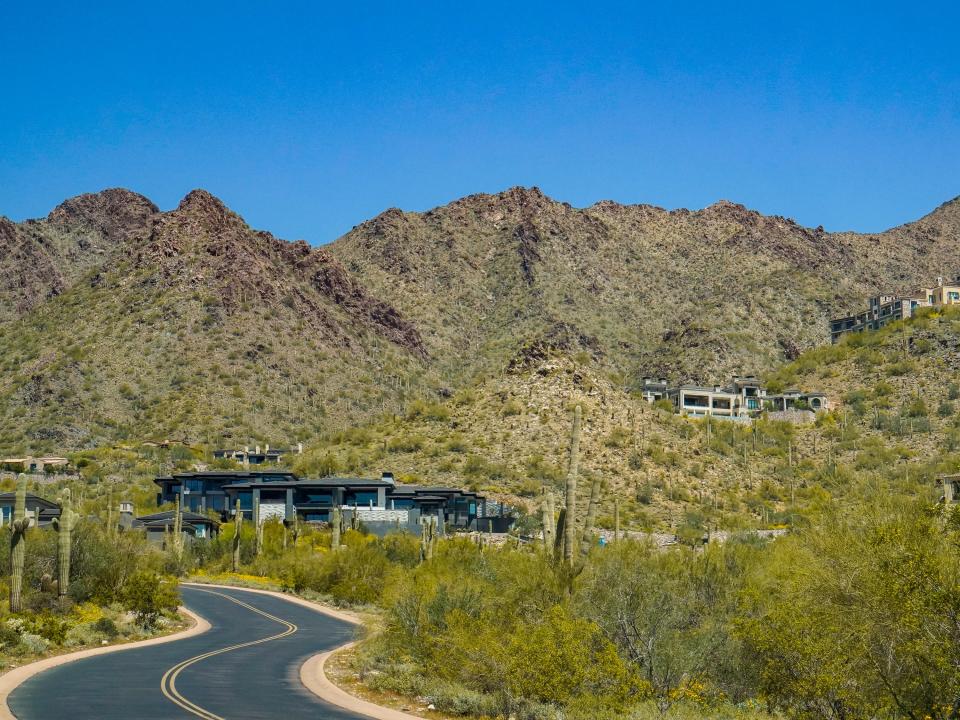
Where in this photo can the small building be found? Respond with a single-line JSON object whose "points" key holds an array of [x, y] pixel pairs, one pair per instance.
{"points": [[653, 390], [161, 525], [40, 511], [35, 465], [798, 400]]}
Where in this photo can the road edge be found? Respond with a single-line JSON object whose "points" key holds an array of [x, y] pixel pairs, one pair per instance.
{"points": [[313, 673], [15, 678]]}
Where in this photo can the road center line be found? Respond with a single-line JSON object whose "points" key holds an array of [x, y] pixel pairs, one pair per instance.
{"points": [[168, 684]]}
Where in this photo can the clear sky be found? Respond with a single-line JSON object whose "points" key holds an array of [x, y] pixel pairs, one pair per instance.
{"points": [[308, 118]]}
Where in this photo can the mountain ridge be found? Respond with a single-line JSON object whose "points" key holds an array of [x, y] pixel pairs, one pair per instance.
{"points": [[125, 315]]}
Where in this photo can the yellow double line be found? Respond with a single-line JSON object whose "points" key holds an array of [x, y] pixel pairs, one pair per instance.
{"points": [[168, 684]]}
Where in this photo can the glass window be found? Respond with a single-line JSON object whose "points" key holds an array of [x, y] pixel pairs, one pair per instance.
{"points": [[313, 496], [362, 498]]}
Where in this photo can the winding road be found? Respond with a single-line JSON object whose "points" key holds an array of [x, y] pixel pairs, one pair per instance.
{"points": [[246, 666]]}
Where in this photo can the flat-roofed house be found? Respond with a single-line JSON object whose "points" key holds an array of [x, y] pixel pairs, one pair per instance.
{"points": [[380, 503], [40, 510]]}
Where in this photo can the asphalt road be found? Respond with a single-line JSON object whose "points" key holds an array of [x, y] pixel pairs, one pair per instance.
{"points": [[246, 666]]}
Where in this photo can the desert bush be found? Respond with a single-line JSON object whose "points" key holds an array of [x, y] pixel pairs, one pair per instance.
{"points": [[149, 597]]}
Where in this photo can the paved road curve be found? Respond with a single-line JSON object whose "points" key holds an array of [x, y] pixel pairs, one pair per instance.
{"points": [[246, 666]]}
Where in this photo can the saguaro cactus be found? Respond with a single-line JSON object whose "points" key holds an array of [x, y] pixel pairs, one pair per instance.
{"points": [[64, 526], [616, 518], [237, 526], [570, 526], [546, 519], [257, 526], [587, 540], [178, 530], [428, 537], [336, 525], [18, 540]]}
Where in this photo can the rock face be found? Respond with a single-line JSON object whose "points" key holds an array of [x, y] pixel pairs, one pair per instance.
{"points": [[694, 295]]}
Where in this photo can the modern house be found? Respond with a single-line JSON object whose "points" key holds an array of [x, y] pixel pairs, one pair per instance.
{"points": [[380, 504], [40, 511], [247, 457], [654, 389], [161, 525], [885, 309], [743, 398]]}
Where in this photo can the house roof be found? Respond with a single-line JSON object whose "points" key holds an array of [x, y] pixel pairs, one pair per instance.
{"points": [[9, 498], [301, 483], [165, 523], [167, 515]]}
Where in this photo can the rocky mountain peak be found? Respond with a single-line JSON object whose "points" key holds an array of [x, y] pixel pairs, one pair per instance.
{"points": [[116, 212]]}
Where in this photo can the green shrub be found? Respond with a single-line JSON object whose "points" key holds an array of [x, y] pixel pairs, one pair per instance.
{"points": [[916, 408], [148, 597]]}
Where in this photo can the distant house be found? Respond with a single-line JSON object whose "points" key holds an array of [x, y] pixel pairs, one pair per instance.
{"points": [[34, 465], [40, 511], [160, 526], [743, 398], [654, 389], [247, 457], [885, 309], [798, 400]]}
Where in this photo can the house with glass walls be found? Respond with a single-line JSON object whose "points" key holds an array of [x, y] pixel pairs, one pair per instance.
{"points": [[284, 495]]}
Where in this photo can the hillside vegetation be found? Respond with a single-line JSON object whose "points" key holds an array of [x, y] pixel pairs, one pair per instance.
{"points": [[122, 323], [894, 426]]}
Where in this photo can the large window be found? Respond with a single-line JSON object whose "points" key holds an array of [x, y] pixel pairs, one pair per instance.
{"points": [[363, 498], [316, 496]]}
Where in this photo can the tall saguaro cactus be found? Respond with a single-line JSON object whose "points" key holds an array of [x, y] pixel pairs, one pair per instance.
{"points": [[257, 526], [336, 525], [64, 526], [18, 540], [587, 540], [237, 526], [546, 519], [428, 537], [570, 520], [178, 530]]}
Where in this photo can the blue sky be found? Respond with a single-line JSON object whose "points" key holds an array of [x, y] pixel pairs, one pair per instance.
{"points": [[308, 119]]}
